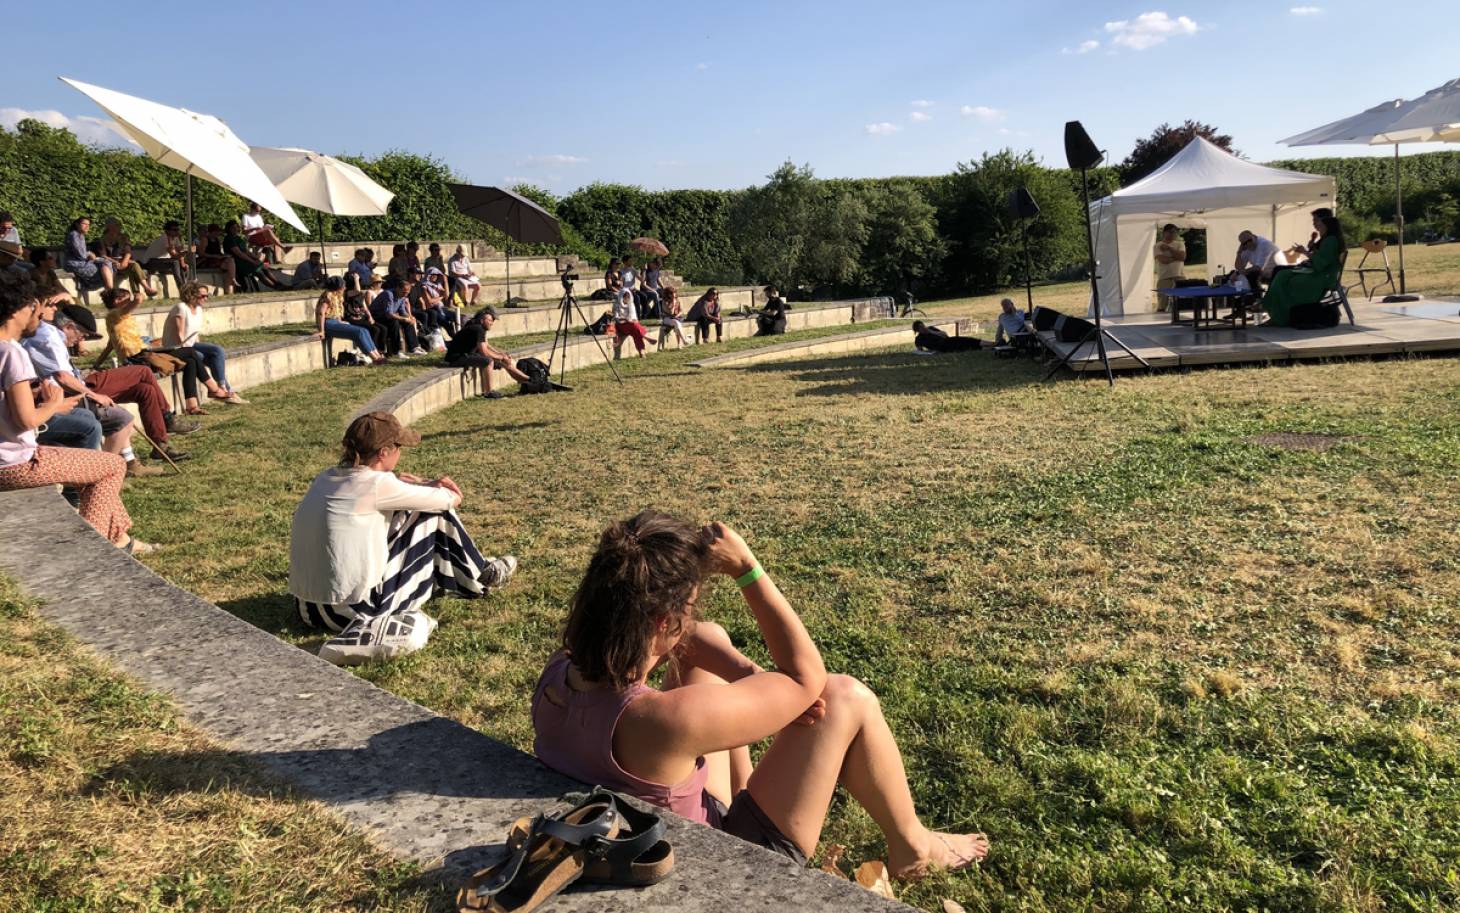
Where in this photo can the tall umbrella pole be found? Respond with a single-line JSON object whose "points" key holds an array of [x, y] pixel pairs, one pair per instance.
{"points": [[323, 264], [192, 254], [1399, 216], [507, 302]]}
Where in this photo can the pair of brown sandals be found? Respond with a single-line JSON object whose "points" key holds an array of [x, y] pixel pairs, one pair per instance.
{"points": [[601, 840]]}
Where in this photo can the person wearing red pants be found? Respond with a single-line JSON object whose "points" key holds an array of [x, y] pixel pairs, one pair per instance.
{"points": [[626, 323]]}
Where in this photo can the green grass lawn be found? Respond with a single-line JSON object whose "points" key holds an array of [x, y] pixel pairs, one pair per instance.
{"points": [[1162, 661]]}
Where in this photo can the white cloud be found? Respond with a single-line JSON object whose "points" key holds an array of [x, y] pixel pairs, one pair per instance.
{"points": [[922, 103], [558, 159], [702, 67], [983, 113], [881, 129], [99, 131], [1084, 47], [1148, 30], [920, 117], [1306, 10]]}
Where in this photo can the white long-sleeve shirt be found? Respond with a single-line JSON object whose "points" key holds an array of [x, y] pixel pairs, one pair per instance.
{"points": [[337, 543]]}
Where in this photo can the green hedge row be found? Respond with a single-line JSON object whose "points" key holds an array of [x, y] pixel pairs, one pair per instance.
{"points": [[934, 235], [48, 178]]}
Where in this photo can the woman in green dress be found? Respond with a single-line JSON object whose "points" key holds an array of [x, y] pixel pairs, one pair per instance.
{"points": [[1307, 284]]}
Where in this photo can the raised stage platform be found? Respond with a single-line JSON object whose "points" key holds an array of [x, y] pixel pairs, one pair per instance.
{"points": [[1431, 325]]}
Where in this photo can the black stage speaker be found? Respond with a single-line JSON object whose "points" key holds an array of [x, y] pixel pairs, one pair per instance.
{"points": [[1080, 149], [1072, 329], [1022, 205], [1044, 318]]}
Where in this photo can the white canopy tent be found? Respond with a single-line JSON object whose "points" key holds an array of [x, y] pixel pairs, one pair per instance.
{"points": [[1201, 187]]}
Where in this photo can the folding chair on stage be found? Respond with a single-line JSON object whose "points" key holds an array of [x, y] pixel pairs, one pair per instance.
{"points": [[1375, 246], [1337, 294]]}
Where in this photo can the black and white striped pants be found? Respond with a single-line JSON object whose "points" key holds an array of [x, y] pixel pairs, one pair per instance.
{"points": [[428, 551]]}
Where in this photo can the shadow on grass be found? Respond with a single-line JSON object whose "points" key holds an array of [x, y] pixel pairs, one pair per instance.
{"points": [[272, 612], [489, 429], [905, 373]]}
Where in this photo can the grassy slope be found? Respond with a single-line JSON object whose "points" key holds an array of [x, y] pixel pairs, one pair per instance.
{"points": [[1161, 664], [112, 804]]}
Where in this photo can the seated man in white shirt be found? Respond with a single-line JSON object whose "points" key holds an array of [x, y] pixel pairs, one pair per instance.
{"points": [[369, 547], [167, 252], [1013, 326], [1257, 258]]}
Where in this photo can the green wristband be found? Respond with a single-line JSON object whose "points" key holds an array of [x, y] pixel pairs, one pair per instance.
{"points": [[750, 576]]}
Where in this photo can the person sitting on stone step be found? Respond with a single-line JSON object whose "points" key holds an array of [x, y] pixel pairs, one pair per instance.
{"points": [[369, 547], [469, 349], [464, 281]]}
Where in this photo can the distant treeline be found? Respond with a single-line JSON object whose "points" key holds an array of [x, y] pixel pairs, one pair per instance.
{"points": [[936, 235]]}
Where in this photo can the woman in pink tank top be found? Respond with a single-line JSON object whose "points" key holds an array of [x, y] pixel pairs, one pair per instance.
{"points": [[686, 747]]}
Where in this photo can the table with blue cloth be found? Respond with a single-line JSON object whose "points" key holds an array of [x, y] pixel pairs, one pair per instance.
{"points": [[1206, 300]]}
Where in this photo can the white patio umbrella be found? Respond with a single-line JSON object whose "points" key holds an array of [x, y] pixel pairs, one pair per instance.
{"points": [[198, 145], [1432, 118], [322, 183]]}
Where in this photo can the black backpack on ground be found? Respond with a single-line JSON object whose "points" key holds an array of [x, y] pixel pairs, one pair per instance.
{"points": [[599, 326], [537, 376], [1314, 316]]}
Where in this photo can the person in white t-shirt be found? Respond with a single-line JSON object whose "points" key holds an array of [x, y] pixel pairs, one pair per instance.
{"points": [[1257, 258], [463, 281], [261, 234], [1013, 325], [359, 543], [1170, 260], [167, 252], [182, 337]]}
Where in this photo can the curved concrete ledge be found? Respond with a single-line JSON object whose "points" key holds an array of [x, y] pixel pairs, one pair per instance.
{"points": [[834, 345], [425, 787], [432, 391]]}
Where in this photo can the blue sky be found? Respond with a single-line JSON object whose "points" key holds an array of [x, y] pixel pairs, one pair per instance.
{"points": [[718, 95]]}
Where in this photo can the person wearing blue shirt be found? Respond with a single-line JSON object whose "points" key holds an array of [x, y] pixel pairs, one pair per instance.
{"points": [[392, 310]]}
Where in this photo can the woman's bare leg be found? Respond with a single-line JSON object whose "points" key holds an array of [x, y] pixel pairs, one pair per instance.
{"points": [[851, 744]]}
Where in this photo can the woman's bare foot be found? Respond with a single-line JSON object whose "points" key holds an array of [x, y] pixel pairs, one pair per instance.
{"points": [[942, 851]]}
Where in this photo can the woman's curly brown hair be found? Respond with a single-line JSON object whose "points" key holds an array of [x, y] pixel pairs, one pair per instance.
{"points": [[646, 568]]}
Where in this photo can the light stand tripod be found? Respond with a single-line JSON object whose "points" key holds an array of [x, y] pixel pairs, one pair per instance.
{"points": [[1082, 154], [566, 307]]}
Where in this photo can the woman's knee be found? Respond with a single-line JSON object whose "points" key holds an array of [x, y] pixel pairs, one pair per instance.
{"points": [[844, 693]]}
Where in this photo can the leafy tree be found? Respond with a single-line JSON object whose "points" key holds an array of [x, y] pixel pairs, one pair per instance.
{"points": [[797, 231], [1163, 143], [903, 245]]}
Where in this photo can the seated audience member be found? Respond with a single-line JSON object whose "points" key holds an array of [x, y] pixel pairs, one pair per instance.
{"points": [[413, 258], [1013, 325], [97, 423], [261, 235], [357, 313], [90, 271], [245, 265], [310, 273], [464, 281], [629, 281], [49, 288], [398, 264], [704, 312], [1292, 298], [9, 231], [24, 408], [686, 746], [360, 270], [167, 253], [434, 260], [126, 341], [12, 261], [1257, 258], [612, 277], [626, 323], [391, 308], [116, 247], [329, 321], [428, 303], [469, 349], [771, 321], [671, 318], [1170, 257], [211, 255], [932, 339], [368, 548], [652, 290], [182, 337]]}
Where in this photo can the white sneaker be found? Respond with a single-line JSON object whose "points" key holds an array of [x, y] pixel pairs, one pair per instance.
{"points": [[497, 572], [379, 638], [419, 351]]}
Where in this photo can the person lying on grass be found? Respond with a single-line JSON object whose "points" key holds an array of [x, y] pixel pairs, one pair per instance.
{"points": [[932, 339], [686, 747]]}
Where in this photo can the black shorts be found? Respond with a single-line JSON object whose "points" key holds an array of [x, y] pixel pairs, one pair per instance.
{"points": [[472, 360], [745, 819]]}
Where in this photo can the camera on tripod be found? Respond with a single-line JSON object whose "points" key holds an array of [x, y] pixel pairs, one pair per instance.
{"points": [[568, 280]]}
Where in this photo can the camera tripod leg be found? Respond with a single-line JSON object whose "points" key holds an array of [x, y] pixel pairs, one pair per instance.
{"points": [[567, 306]]}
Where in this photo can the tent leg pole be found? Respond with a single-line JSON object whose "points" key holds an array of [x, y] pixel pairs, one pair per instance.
{"points": [[1399, 218]]}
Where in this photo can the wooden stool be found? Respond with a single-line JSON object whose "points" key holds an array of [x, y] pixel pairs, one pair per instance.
{"points": [[1375, 246]]}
